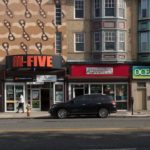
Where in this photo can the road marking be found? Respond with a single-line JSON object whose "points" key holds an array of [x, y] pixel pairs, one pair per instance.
{"points": [[115, 149], [77, 130]]}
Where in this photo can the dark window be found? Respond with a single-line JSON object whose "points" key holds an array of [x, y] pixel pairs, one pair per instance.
{"points": [[79, 9], [144, 12], [109, 8], [97, 8], [58, 42], [58, 14], [79, 42]]}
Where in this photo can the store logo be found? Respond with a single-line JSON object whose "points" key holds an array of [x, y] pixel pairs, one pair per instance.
{"points": [[32, 61], [141, 72], [99, 70]]}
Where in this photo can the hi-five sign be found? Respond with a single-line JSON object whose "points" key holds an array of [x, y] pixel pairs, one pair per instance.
{"points": [[33, 61]]}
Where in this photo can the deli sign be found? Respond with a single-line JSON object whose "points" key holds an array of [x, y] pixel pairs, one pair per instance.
{"points": [[33, 61], [141, 72]]}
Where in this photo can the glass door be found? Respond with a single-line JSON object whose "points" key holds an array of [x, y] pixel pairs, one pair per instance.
{"points": [[59, 92], [36, 99]]}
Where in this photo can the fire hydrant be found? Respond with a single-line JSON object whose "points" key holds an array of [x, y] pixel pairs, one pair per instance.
{"points": [[28, 107]]}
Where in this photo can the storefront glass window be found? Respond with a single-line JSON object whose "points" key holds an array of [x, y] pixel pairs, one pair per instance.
{"points": [[35, 99], [121, 96], [121, 92], [86, 89], [13, 93], [96, 88], [59, 96], [10, 92], [108, 89], [18, 91]]}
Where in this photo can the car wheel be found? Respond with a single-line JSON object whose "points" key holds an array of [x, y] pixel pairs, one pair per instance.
{"points": [[103, 113], [62, 113]]}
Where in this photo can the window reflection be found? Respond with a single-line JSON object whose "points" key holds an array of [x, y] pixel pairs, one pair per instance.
{"points": [[121, 92], [108, 89]]}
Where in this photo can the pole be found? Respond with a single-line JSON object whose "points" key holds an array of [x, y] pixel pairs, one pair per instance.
{"points": [[132, 102]]}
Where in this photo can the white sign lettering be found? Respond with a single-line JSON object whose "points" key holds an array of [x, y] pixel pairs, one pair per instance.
{"points": [[99, 70]]}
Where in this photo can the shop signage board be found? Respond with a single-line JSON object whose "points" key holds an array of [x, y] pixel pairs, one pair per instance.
{"points": [[141, 72], [100, 70], [33, 61], [46, 78]]}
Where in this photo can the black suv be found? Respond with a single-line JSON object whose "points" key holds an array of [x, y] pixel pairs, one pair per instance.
{"points": [[96, 104]]}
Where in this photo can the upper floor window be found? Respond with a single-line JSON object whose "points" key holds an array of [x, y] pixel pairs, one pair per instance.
{"points": [[79, 8], [97, 8], [58, 42], [144, 10], [122, 40], [110, 8], [143, 42], [122, 8], [110, 40], [97, 41], [79, 42], [58, 14]]}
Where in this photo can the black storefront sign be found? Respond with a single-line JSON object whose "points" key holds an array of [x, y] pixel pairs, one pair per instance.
{"points": [[33, 61]]}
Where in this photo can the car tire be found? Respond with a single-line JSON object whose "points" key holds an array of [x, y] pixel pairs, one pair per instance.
{"points": [[62, 113], [103, 113]]}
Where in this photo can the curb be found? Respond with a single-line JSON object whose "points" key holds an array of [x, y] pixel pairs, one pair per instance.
{"points": [[48, 117]]}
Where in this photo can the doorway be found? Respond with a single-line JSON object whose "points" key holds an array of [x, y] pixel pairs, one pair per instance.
{"points": [[141, 99], [45, 99], [36, 99]]}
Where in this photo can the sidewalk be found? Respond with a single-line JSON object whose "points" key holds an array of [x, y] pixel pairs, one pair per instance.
{"points": [[14, 115], [45, 114], [129, 114]]}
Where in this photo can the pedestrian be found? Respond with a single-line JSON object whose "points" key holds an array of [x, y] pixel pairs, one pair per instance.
{"points": [[21, 104], [28, 107]]}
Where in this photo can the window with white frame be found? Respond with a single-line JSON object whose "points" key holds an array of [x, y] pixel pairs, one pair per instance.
{"points": [[97, 8], [79, 42], [143, 42], [121, 41], [97, 41], [110, 40], [58, 42], [122, 8], [144, 8], [110, 8], [58, 14], [79, 8]]}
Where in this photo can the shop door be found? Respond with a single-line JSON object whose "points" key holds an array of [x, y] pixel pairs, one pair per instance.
{"points": [[45, 99], [141, 100], [36, 99]]}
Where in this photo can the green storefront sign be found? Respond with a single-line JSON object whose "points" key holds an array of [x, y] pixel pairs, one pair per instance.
{"points": [[141, 72]]}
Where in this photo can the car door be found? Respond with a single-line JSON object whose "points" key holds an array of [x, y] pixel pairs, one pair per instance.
{"points": [[90, 105], [77, 106]]}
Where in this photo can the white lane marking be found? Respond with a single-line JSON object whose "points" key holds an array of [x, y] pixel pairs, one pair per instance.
{"points": [[115, 149]]}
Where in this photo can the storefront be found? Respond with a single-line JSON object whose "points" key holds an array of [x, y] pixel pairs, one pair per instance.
{"points": [[39, 78], [140, 87], [105, 79]]}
